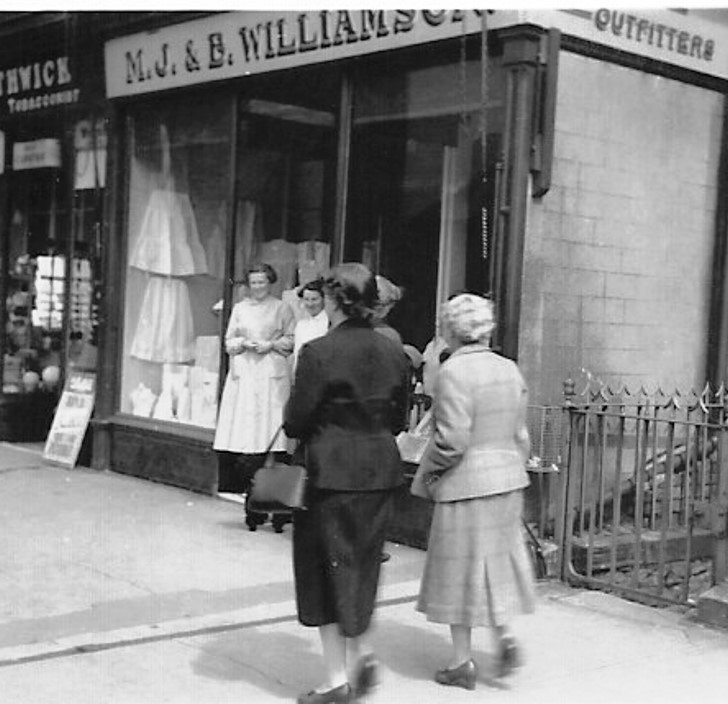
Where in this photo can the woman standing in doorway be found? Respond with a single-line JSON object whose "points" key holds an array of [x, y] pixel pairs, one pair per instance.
{"points": [[348, 401], [259, 339], [316, 322], [477, 571]]}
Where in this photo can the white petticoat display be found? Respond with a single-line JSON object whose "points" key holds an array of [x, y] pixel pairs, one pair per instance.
{"points": [[168, 242], [165, 331]]}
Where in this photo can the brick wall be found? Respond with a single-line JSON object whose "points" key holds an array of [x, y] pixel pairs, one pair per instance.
{"points": [[618, 253]]}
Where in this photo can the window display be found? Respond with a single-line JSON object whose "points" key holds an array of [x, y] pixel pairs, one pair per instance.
{"points": [[37, 251], [179, 170]]}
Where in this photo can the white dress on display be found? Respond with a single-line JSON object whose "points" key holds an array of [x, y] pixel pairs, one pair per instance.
{"points": [[257, 385], [168, 246], [168, 242], [165, 329]]}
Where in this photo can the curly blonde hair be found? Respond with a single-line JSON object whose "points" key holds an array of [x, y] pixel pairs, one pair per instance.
{"points": [[468, 318]]}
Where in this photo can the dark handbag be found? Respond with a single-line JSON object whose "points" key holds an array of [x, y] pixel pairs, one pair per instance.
{"points": [[277, 487]]}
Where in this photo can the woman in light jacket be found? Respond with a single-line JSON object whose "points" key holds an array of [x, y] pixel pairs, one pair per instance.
{"points": [[477, 571]]}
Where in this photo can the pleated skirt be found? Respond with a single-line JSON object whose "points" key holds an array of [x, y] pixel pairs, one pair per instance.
{"points": [[337, 546], [477, 571]]}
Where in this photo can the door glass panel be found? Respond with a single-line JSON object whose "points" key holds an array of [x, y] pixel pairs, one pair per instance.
{"points": [[286, 178], [414, 203], [89, 181]]}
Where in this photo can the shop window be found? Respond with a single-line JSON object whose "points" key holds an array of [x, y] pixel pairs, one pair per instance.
{"points": [[177, 222], [50, 247], [38, 254], [86, 284], [286, 166], [414, 196]]}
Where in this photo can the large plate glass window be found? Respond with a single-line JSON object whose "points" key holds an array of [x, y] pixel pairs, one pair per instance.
{"points": [[177, 219]]}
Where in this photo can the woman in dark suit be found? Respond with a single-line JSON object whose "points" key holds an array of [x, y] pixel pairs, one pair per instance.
{"points": [[348, 402]]}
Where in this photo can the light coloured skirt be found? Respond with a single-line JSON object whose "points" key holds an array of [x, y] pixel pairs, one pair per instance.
{"points": [[477, 571], [256, 390]]}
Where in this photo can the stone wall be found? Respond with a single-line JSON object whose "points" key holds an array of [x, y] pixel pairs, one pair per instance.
{"points": [[618, 253]]}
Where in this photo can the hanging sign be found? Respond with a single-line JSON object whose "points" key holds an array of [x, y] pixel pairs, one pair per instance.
{"points": [[39, 154], [89, 144], [71, 419]]}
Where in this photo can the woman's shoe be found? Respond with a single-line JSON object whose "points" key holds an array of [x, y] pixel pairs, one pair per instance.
{"points": [[278, 522], [509, 657], [463, 676], [253, 520], [366, 675], [338, 695]]}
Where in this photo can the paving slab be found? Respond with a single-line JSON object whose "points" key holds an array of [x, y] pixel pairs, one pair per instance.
{"points": [[114, 589]]}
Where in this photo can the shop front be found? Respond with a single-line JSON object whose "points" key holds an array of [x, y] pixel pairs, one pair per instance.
{"points": [[298, 139], [568, 163], [53, 136]]}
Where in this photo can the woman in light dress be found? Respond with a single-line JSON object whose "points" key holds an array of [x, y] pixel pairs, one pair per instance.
{"points": [[316, 322], [477, 571], [259, 339]]}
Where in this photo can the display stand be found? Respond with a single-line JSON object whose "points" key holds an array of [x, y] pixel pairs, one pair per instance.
{"points": [[71, 419]]}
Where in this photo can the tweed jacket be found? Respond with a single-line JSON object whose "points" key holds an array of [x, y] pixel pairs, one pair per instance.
{"points": [[349, 399], [480, 443]]}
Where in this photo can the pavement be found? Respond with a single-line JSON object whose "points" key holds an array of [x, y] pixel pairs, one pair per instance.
{"points": [[117, 590]]}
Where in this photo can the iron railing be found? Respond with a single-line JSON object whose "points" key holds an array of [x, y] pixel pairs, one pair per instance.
{"points": [[642, 505]]}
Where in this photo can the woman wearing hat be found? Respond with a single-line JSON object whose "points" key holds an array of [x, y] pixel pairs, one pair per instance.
{"points": [[477, 571]]}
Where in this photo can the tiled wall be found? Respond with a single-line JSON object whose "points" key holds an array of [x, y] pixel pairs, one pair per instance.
{"points": [[618, 253]]}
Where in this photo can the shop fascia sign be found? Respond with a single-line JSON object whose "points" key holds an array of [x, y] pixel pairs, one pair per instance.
{"points": [[663, 35], [234, 44], [31, 86]]}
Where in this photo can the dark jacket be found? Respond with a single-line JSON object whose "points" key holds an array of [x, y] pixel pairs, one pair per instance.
{"points": [[348, 401]]}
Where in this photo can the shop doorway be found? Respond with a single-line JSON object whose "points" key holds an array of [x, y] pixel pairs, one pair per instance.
{"points": [[415, 196]]}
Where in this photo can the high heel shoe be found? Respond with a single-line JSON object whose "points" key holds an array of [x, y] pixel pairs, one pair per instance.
{"points": [[366, 675], [338, 695], [463, 676], [509, 657]]}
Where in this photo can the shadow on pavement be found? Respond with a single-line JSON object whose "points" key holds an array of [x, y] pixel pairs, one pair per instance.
{"points": [[278, 662]]}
